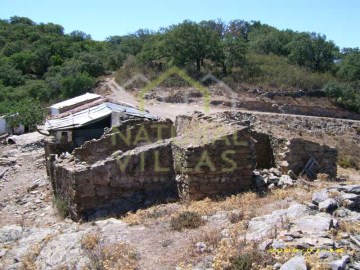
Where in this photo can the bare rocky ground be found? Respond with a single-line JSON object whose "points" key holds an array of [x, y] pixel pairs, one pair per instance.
{"points": [[298, 226], [323, 226]]}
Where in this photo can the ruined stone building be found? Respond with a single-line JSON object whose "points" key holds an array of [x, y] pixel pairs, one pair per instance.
{"points": [[105, 158]]}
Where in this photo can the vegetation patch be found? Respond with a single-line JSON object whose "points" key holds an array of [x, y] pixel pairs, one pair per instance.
{"points": [[61, 207], [108, 256], [186, 220]]}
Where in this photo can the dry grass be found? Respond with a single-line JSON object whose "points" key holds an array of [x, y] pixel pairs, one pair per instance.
{"points": [[313, 262], [210, 236], [108, 256], [247, 206], [186, 220], [350, 227], [154, 213], [29, 259], [322, 177], [238, 254]]}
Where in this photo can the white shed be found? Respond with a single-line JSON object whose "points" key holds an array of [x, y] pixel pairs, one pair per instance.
{"points": [[3, 128], [72, 103]]}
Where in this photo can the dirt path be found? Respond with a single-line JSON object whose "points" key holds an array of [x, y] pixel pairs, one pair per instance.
{"points": [[171, 110]]}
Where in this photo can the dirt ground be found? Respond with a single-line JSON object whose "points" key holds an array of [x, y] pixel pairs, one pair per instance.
{"points": [[26, 198]]}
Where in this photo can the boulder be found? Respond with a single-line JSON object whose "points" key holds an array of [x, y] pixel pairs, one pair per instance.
{"points": [[296, 210], [312, 224], [320, 196], [337, 265], [350, 189], [285, 180], [329, 205], [297, 262], [10, 233]]}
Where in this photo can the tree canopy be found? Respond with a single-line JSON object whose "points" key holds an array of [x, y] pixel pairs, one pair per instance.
{"points": [[41, 62]]}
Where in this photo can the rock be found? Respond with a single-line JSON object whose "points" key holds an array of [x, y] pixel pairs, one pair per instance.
{"points": [[200, 247], [356, 265], [292, 175], [15, 266], [285, 180], [324, 255], [312, 224], [278, 244], [63, 249], [320, 196], [350, 189], [312, 206], [265, 245], [259, 181], [328, 205], [317, 240], [10, 233], [337, 265], [219, 220], [297, 262], [346, 258], [349, 196], [341, 213], [273, 179], [2, 252], [275, 171], [271, 186], [260, 227], [296, 210]]}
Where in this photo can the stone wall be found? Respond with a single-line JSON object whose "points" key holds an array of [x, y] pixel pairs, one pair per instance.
{"points": [[137, 178], [128, 135], [298, 152], [221, 167]]}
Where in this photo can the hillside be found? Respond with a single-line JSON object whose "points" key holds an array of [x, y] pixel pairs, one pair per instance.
{"points": [[39, 62]]}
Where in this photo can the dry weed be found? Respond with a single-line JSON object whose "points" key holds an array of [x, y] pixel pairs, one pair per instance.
{"points": [[350, 227], [108, 256], [322, 177], [29, 259], [210, 236], [313, 262]]}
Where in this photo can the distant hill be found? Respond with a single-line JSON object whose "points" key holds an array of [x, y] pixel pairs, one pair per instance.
{"points": [[39, 61]]}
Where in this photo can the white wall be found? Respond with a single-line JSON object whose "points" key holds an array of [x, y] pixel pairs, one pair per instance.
{"points": [[4, 129], [2, 126]]}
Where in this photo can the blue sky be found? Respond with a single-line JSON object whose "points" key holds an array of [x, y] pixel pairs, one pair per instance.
{"points": [[339, 20]]}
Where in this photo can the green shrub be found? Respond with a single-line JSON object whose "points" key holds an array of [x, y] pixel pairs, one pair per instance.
{"points": [[349, 162], [61, 206], [242, 262], [186, 220]]}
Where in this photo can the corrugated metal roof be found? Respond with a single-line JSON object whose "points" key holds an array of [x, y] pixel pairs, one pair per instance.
{"points": [[93, 114], [75, 100]]}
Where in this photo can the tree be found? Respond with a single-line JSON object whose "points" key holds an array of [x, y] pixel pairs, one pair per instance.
{"points": [[79, 35], [76, 84], [9, 75], [189, 43], [239, 28], [27, 112], [313, 51], [350, 67]]}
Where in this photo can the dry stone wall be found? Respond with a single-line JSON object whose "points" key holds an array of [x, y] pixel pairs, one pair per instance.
{"points": [[117, 184], [133, 166], [298, 152], [221, 167], [128, 135]]}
